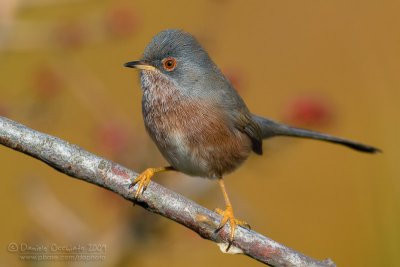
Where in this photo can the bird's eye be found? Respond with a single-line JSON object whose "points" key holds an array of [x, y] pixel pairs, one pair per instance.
{"points": [[169, 63]]}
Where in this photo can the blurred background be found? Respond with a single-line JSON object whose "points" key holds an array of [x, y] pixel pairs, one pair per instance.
{"points": [[332, 66]]}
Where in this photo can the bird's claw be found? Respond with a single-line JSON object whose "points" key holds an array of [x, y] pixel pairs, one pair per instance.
{"points": [[142, 180], [228, 217]]}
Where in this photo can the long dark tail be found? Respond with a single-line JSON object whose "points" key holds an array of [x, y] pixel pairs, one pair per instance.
{"points": [[270, 128]]}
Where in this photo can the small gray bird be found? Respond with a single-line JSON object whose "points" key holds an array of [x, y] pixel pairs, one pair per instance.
{"points": [[198, 121]]}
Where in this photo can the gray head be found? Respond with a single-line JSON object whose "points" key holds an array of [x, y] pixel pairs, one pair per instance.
{"points": [[177, 56]]}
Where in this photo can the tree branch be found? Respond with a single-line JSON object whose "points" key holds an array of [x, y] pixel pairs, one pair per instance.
{"points": [[78, 163]]}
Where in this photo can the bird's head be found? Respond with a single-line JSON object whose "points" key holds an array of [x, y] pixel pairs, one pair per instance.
{"points": [[178, 57]]}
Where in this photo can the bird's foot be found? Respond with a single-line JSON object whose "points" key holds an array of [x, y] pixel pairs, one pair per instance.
{"points": [[143, 180], [228, 217]]}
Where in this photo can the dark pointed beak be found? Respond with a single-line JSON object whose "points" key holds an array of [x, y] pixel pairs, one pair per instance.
{"points": [[139, 65]]}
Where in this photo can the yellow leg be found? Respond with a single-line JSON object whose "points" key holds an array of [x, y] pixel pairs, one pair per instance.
{"points": [[143, 179], [227, 216]]}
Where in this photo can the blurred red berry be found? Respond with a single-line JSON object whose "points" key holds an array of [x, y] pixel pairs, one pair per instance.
{"points": [[235, 76], [3, 110], [70, 35], [121, 21], [112, 138], [308, 111], [46, 82]]}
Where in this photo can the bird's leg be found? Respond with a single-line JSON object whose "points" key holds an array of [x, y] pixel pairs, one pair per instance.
{"points": [[143, 179], [227, 216]]}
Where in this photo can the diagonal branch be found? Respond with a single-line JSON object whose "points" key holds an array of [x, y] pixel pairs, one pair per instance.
{"points": [[78, 163]]}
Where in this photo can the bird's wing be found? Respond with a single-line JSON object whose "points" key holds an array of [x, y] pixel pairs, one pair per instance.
{"points": [[243, 122], [233, 106]]}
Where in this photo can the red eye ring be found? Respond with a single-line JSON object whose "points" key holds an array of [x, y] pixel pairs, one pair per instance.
{"points": [[169, 63]]}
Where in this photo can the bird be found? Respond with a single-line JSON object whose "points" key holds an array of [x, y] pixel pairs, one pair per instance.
{"points": [[197, 119]]}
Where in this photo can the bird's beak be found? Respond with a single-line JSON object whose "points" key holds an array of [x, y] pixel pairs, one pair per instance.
{"points": [[139, 65]]}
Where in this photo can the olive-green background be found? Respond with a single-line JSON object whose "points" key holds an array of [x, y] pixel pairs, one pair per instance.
{"points": [[61, 73]]}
